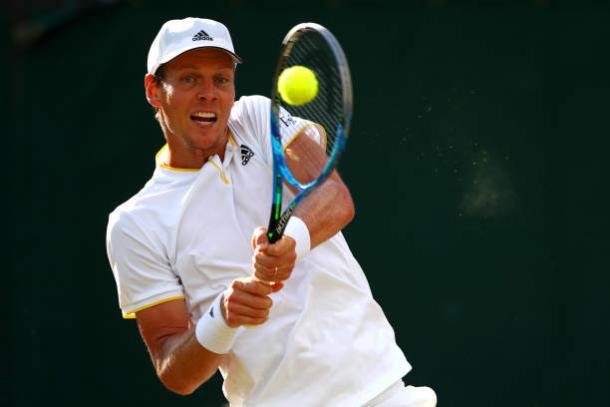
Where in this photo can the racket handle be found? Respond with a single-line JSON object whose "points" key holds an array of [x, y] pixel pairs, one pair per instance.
{"points": [[276, 228], [273, 237]]}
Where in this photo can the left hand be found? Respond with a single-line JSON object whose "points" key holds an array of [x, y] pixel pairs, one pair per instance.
{"points": [[272, 263]]}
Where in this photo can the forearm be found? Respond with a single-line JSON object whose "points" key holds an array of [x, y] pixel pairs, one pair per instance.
{"points": [[183, 364], [327, 210], [329, 207], [179, 347]]}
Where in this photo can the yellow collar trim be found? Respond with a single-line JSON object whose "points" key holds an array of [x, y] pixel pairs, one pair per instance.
{"points": [[163, 150], [160, 162]]}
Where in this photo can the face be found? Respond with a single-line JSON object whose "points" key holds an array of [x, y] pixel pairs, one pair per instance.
{"points": [[194, 100]]}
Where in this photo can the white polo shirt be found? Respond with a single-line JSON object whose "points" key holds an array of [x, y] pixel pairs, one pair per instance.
{"points": [[186, 234]]}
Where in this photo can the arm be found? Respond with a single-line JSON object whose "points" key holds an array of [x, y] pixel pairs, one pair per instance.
{"points": [[325, 211], [181, 362]]}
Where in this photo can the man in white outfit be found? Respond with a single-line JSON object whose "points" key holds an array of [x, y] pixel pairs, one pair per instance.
{"points": [[292, 323]]}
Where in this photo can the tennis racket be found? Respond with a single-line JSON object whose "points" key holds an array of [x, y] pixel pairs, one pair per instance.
{"points": [[325, 120]]}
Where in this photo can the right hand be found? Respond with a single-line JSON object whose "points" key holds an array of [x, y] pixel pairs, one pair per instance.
{"points": [[247, 302], [272, 263]]}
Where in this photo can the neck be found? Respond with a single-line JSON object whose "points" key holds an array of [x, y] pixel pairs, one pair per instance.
{"points": [[180, 155]]}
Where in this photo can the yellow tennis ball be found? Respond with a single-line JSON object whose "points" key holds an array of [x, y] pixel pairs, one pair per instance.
{"points": [[297, 85]]}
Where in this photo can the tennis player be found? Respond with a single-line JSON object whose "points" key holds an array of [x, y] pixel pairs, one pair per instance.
{"points": [[288, 324]]}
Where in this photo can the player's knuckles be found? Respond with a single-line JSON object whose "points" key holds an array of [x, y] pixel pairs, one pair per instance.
{"points": [[236, 311], [257, 267], [257, 287], [232, 301], [262, 269], [290, 242], [259, 313], [282, 249], [263, 275], [263, 260], [278, 248], [233, 318], [240, 314], [265, 303], [287, 244], [275, 250], [263, 289], [291, 258], [239, 284], [241, 290]]}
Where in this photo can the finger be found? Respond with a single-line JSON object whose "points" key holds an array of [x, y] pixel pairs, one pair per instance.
{"points": [[275, 275], [250, 300], [282, 247], [235, 320], [240, 310], [265, 262], [238, 304], [272, 258], [263, 274], [275, 286], [251, 285], [259, 239], [273, 268]]}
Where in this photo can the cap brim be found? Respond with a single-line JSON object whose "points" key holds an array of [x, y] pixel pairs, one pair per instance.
{"points": [[179, 52], [235, 57]]}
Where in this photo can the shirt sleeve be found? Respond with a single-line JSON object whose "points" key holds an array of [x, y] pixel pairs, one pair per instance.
{"points": [[250, 120], [142, 272]]}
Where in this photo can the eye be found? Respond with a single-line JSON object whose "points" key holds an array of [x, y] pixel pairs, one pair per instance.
{"points": [[221, 80], [188, 79]]}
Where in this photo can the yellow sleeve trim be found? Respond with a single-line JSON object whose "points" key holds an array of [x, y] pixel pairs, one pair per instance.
{"points": [[132, 314], [319, 127]]}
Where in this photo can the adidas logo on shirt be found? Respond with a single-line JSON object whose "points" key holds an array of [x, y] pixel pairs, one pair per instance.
{"points": [[246, 154], [202, 36]]}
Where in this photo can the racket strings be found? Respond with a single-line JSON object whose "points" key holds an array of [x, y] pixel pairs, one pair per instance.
{"points": [[326, 109], [312, 50]]}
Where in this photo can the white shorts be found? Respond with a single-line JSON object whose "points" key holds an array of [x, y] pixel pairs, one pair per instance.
{"points": [[399, 395]]}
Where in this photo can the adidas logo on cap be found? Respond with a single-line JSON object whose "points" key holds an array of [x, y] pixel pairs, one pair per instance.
{"points": [[202, 36]]}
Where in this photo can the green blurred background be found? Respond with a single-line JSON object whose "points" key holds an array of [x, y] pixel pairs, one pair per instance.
{"points": [[477, 163]]}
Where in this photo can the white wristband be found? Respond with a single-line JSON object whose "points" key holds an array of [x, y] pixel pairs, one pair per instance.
{"points": [[212, 332], [297, 229]]}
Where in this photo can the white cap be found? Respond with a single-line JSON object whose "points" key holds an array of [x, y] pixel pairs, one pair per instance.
{"points": [[178, 36]]}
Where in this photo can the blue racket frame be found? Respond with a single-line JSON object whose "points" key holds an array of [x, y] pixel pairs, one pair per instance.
{"points": [[278, 220]]}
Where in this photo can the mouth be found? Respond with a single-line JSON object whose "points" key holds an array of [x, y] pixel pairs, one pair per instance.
{"points": [[204, 118]]}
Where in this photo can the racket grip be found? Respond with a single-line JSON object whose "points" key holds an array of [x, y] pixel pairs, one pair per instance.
{"points": [[276, 228], [273, 237]]}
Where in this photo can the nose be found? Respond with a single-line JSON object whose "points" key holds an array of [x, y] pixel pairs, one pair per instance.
{"points": [[206, 90]]}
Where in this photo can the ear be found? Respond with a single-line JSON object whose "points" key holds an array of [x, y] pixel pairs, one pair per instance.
{"points": [[152, 90]]}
